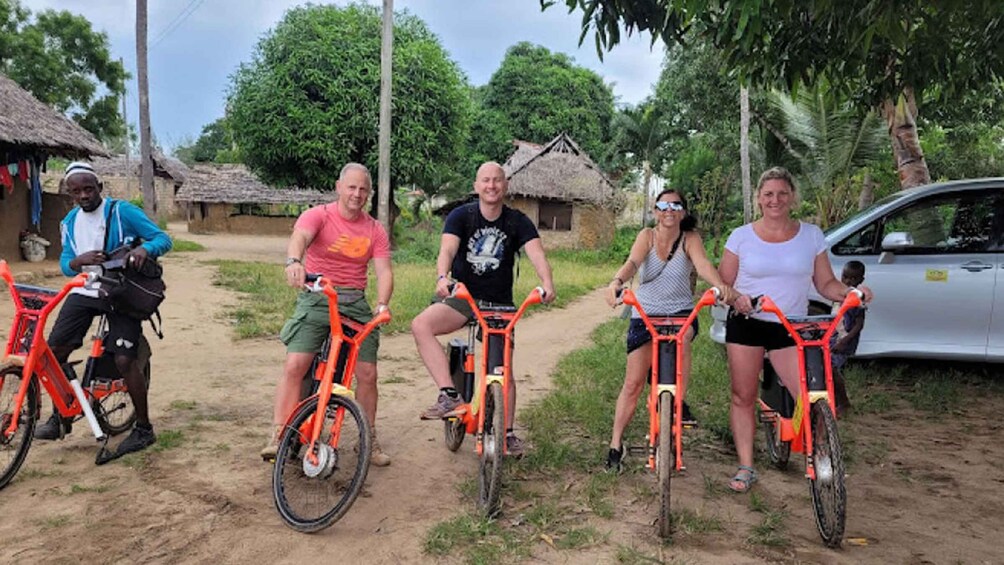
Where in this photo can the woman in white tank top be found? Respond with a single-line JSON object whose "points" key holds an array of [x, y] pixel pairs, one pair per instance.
{"points": [[666, 257], [778, 256]]}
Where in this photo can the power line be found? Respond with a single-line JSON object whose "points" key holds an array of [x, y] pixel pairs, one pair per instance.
{"points": [[177, 21]]}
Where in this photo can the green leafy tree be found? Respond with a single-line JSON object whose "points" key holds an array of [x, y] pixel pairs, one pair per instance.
{"points": [[215, 144], [63, 62], [885, 54], [535, 95], [307, 102], [642, 132]]}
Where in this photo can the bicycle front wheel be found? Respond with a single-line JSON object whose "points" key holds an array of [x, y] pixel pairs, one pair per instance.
{"points": [[829, 495], [665, 461], [311, 495], [14, 449], [490, 468]]}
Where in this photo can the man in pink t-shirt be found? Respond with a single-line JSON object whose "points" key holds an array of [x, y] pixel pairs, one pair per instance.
{"points": [[337, 240]]}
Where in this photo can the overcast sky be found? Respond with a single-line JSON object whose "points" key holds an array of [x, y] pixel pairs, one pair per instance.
{"points": [[196, 44]]}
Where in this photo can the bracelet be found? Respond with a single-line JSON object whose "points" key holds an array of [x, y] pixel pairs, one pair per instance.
{"points": [[619, 281], [440, 277]]}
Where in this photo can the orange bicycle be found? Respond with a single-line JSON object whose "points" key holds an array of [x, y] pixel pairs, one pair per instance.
{"points": [[665, 406], [101, 398], [789, 427], [324, 450], [486, 405]]}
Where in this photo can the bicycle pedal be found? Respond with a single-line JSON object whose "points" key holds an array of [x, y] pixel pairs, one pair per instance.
{"points": [[637, 450]]}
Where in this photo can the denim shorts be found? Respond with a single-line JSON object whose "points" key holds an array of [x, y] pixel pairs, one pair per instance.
{"points": [[638, 335]]}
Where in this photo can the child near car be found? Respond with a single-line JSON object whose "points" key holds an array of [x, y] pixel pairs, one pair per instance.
{"points": [[844, 342]]}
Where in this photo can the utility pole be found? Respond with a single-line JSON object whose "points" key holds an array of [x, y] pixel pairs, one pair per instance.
{"points": [[744, 152], [145, 156], [383, 168], [125, 119]]}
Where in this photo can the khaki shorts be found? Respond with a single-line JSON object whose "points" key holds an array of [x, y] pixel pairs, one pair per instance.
{"points": [[308, 328]]}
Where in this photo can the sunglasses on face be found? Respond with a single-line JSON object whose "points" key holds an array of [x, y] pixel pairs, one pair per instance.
{"points": [[664, 206]]}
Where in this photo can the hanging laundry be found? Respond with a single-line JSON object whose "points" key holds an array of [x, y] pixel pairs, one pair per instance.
{"points": [[36, 196], [23, 170], [6, 180]]}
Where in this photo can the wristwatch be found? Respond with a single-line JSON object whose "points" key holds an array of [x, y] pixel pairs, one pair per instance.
{"points": [[291, 260]]}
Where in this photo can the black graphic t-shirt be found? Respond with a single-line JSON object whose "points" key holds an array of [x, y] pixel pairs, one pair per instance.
{"points": [[485, 259]]}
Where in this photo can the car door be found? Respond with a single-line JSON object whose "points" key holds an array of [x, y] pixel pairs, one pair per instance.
{"points": [[934, 290], [995, 339]]}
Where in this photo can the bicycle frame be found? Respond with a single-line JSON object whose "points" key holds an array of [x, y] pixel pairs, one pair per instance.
{"points": [[326, 367], [797, 429], [472, 414], [27, 348], [656, 388]]}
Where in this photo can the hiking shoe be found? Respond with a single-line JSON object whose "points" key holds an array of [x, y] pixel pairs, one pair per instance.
{"points": [[377, 456], [140, 438], [614, 457], [444, 407], [272, 447], [514, 446], [54, 428]]}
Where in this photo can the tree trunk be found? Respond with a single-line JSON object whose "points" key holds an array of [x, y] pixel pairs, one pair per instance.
{"points": [[867, 195], [146, 159], [647, 168], [744, 153], [900, 116], [383, 168]]}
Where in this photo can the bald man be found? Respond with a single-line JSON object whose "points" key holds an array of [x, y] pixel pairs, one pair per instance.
{"points": [[478, 248]]}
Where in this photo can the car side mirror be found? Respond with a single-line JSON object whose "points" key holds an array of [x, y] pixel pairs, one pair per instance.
{"points": [[897, 241]]}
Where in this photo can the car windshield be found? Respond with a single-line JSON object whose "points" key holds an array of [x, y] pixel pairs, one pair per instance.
{"points": [[852, 217]]}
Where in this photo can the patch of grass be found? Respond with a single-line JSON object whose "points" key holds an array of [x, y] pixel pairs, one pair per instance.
{"points": [[598, 491], [183, 245], [631, 555], [394, 380], [53, 522], [578, 538], [689, 522], [183, 405], [77, 489], [478, 539], [267, 301], [771, 530], [168, 439]]}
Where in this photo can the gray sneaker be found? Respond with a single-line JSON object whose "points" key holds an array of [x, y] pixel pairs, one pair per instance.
{"points": [[443, 408], [514, 446]]}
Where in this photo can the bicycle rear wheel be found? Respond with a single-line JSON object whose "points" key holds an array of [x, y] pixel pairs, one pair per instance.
{"points": [[14, 449], [829, 495], [454, 430], [665, 461], [490, 468], [115, 412], [309, 496], [778, 451]]}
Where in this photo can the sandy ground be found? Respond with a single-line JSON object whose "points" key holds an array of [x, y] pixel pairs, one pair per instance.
{"points": [[935, 495]]}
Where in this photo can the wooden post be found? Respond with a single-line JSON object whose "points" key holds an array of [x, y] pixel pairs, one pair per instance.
{"points": [[145, 154], [744, 152], [383, 169]]}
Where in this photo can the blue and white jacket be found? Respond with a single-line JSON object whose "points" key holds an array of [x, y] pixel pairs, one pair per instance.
{"points": [[125, 222]]}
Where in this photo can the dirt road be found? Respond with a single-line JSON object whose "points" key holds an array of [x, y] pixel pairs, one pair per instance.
{"points": [[933, 494]]}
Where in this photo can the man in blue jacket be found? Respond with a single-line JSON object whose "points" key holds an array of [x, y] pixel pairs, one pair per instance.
{"points": [[90, 231]]}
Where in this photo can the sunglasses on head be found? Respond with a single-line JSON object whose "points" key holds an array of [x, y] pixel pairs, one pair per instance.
{"points": [[664, 206]]}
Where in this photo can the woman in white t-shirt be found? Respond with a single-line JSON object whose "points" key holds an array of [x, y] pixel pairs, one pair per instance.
{"points": [[776, 256]]}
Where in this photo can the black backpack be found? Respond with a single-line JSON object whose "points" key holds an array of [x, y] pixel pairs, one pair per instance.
{"points": [[139, 290]]}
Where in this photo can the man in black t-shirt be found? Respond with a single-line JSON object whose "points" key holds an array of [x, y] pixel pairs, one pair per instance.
{"points": [[478, 248]]}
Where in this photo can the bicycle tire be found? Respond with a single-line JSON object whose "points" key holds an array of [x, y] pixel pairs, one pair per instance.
{"points": [[115, 412], [329, 490], [13, 451], [829, 493], [490, 465], [778, 451], [665, 461], [454, 431]]}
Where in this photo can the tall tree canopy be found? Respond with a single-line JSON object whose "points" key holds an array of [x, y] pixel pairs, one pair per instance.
{"points": [[307, 103], [63, 62], [535, 95], [886, 54]]}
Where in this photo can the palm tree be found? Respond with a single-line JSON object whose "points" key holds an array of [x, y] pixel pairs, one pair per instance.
{"points": [[831, 141], [642, 132]]}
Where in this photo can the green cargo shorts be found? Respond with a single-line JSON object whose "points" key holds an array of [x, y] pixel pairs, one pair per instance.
{"points": [[308, 328]]}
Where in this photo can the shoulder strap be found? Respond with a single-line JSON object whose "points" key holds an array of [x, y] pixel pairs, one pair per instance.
{"points": [[108, 223]]}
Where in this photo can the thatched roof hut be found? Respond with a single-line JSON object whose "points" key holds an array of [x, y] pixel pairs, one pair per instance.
{"points": [[235, 184], [559, 170], [164, 167], [28, 125]]}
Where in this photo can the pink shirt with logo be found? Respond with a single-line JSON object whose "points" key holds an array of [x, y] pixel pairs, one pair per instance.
{"points": [[341, 249]]}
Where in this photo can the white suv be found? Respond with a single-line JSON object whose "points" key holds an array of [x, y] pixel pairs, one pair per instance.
{"points": [[932, 256]]}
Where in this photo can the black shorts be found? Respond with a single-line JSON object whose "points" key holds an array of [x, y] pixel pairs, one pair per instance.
{"points": [[638, 335], [756, 333], [76, 316]]}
